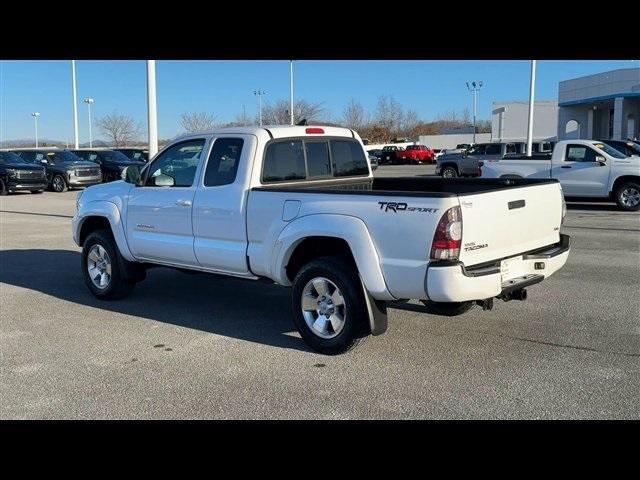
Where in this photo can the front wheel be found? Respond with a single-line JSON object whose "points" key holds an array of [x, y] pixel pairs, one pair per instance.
{"points": [[628, 196], [3, 188], [449, 172], [102, 267], [447, 309], [59, 184], [329, 307]]}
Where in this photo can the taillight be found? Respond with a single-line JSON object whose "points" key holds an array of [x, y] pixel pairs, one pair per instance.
{"points": [[448, 236], [314, 130]]}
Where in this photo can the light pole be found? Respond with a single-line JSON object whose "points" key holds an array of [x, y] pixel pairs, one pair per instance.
{"points": [[475, 88], [532, 87], [75, 103], [35, 116], [151, 108], [89, 101], [259, 94], [291, 89]]}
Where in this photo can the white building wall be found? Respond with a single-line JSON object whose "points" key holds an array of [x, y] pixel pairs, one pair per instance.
{"points": [[510, 120], [450, 141]]}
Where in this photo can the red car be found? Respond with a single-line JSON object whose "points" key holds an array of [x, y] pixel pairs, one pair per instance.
{"points": [[416, 154]]}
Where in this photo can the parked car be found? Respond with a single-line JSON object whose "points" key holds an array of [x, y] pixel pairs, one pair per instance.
{"points": [[137, 154], [628, 147], [299, 206], [111, 162], [16, 175], [415, 154], [376, 152], [64, 169], [373, 161], [437, 152], [457, 163], [388, 155], [585, 168]]}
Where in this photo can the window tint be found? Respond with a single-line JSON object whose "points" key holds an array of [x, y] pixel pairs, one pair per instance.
{"points": [[348, 158], [511, 148], [27, 156], [222, 166], [178, 162], [284, 161], [478, 150], [580, 153], [318, 164], [493, 149]]}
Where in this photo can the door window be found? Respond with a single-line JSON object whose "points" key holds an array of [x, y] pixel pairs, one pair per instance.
{"points": [[580, 153], [318, 164], [176, 166], [493, 149], [222, 165]]}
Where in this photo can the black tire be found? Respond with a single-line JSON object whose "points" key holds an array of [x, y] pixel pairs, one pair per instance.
{"points": [[118, 286], [452, 172], [447, 309], [343, 273], [59, 184], [36, 191], [622, 196], [3, 188]]}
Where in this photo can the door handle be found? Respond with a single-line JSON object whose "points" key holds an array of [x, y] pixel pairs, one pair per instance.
{"points": [[183, 203], [566, 166]]}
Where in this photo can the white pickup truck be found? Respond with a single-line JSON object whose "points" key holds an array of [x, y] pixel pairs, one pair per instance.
{"points": [[299, 206], [585, 168]]}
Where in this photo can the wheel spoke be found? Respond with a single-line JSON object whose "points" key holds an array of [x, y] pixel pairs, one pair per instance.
{"points": [[321, 286], [320, 325], [94, 272], [93, 256], [337, 298], [104, 279], [309, 303], [337, 322]]}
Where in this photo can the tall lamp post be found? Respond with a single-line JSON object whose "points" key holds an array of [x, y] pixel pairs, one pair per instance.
{"points": [[35, 116], [75, 103], [532, 88], [259, 94], [291, 90], [475, 88], [89, 101], [152, 114]]}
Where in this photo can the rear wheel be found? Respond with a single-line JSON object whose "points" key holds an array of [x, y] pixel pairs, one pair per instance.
{"points": [[628, 196], [449, 172], [447, 309], [102, 267], [329, 307]]}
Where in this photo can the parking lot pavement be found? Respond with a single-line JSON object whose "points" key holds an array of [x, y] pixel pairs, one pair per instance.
{"points": [[197, 346]]}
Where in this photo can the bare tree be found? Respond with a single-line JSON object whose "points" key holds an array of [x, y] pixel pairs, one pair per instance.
{"points": [[198, 122], [278, 113], [410, 120], [389, 113], [121, 130], [353, 116]]}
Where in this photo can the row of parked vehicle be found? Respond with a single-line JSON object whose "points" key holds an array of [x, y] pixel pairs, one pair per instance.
{"points": [[37, 169], [594, 169], [398, 155]]}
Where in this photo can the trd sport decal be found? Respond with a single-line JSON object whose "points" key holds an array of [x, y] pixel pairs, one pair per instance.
{"points": [[403, 207]]}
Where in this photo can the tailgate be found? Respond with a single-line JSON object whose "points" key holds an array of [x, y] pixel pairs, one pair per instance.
{"points": [[508, 222]]}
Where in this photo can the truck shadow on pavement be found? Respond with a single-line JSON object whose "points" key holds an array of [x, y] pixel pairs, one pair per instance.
{"points": [[241, 309]]}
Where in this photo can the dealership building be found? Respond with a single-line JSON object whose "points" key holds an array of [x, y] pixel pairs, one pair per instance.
{"points": [[602, 106]]}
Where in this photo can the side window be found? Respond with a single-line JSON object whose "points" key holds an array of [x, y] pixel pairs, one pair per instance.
{"points": [[579, 153], [176, 166], [27, 156], [348, 158], [284, 161], [493, 149], [511, 148], [222, 165], [318, 163]]}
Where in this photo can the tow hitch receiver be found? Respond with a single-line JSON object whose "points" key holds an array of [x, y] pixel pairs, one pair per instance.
{"points": [[486, 304]]}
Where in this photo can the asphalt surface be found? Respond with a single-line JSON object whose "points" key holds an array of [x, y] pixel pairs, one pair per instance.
{"points": [[196, 346]]}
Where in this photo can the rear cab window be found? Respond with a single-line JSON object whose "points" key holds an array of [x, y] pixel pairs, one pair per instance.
{"points": [[313, 159]]}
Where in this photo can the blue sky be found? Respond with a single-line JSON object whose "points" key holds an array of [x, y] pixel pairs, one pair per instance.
{"points": [[223, 87]]}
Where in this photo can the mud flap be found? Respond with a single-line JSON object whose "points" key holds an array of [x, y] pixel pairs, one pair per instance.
{"points": [[377, 311]]}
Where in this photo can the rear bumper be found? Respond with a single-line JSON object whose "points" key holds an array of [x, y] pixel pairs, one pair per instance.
{"points": [[453, 282]]}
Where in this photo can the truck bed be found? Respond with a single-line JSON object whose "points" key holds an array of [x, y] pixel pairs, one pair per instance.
{"points": [[410, 186]]}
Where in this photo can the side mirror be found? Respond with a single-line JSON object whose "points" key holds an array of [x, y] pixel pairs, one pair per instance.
{"points": [[601, 160], [131, 174], [163, 180]]}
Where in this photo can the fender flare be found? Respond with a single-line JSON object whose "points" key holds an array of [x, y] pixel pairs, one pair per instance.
{"points": [[348, 228], [108, 210]]}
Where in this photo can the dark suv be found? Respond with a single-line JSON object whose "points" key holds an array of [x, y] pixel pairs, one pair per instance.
{"points": [[16, 174], [137, 154], [626, 147], [64, 169], [111, 162]]}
